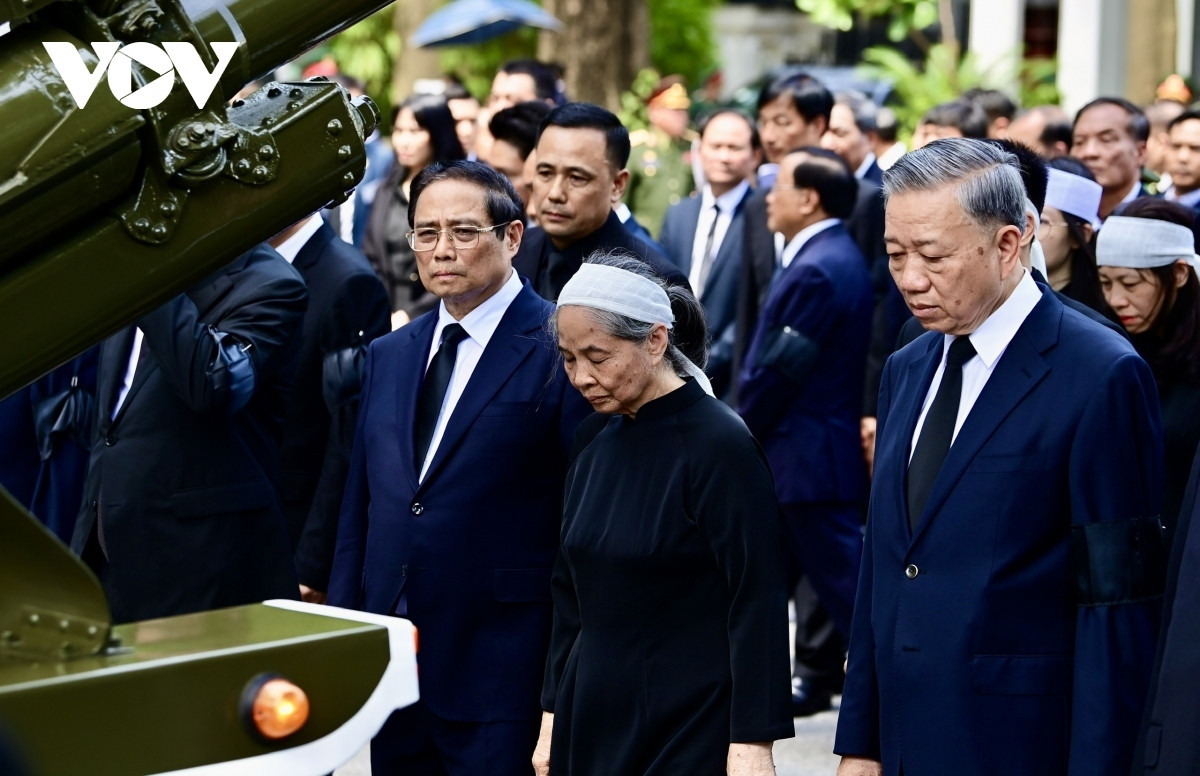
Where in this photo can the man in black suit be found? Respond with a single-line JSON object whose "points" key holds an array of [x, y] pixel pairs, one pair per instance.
{"points": [[181, 508], [347, 308], [1109, 136], [705, 235], [1183, 159], [579, 176]]}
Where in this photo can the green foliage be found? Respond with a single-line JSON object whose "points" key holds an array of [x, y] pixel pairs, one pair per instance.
{"points": [[920, 87], [681, 38], [368, 51], [906, 16], [633, 112]]}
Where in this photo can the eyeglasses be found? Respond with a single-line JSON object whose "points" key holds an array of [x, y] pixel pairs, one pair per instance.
{"points": [[1053, 224], [461, 237]]}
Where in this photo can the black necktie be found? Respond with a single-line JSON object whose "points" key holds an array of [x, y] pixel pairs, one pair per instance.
{"points": [[706, 258], [938, 431], [433, 390]]}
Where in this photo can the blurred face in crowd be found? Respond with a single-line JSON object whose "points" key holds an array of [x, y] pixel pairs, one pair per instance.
{"points": [[927, 133], [465, 112], [952, 273], [574, 185], [782, 128], [844, 137], [509, 89], [790, 209], [616, 376], [1056, 240], [1183, 156], [463, 277], [411, 142], [726, 153], [505, 158], [1136, 295], [1027, 130], [1103, 142], [673, 121]]}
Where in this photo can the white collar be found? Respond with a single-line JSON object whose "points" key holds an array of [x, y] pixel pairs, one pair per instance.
{"points": [[292, 245], [728, 201], [480, 324], [1191, 199], [866, 165], [803, 236], [1133, 193], [993, 335], [623, 212]]}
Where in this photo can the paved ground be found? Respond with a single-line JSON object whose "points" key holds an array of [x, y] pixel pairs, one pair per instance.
{"points": [[808, 754]]}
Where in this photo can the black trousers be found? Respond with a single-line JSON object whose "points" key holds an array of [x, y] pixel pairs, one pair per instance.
{"points": [[416, 742]]}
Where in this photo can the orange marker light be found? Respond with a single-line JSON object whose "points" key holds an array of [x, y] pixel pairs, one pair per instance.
{"points": [[274, 707]]}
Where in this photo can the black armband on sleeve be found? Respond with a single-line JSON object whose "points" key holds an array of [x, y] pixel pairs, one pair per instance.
{"points": [[791, 352], [1118, 561]]}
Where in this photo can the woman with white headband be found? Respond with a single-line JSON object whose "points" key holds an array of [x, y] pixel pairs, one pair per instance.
{"points": [[1068, 223], [669, 651], [1147, 259]]}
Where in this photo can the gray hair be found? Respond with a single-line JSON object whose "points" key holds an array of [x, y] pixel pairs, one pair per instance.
{"points": [[986, 178], [689, 315], [862, 107]]}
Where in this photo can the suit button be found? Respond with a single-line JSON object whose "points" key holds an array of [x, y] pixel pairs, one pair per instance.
{"points": [[417, 508], [110, 439], [912, 571]]}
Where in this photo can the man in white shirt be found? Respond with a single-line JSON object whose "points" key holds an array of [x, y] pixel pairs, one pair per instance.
{"points": [[452, 505], [1013, 562], [1183, 160], [705, 235], [1109, 136]]}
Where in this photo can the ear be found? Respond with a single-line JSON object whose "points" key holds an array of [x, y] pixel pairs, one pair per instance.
{"points": [[1141, 153], [1087, 230], [1181, 272], [1008, 243], [512, 236], [620, 181], [660, 338]]}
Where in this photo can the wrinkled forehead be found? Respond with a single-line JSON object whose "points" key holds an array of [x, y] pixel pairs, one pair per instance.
{"points": [[451, 202]]}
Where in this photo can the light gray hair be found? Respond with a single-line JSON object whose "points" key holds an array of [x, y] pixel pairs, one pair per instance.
{"points": [[987, 179]]}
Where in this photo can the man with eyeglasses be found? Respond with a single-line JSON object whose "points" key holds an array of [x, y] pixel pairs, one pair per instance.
{"points": [[451, 511]]}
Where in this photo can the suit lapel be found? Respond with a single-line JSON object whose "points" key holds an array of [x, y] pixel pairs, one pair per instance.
{"points": [[1019, 370], [514, 339], [908, 397], [114, 360], [732, 245], [692, 219], [410, 373]]}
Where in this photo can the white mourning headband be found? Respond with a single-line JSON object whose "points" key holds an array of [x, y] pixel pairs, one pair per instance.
{"points": [[1143, 243], [1037, 256], [1074, 194], [620, 291]]}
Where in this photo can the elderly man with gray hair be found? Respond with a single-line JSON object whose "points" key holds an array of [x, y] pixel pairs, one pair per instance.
{"points": [[1008, 604]]}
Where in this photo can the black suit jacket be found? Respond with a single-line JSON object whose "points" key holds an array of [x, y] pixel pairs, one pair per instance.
{"points": [[720, 293], [549, 269], [185, 489], [347, 308]]}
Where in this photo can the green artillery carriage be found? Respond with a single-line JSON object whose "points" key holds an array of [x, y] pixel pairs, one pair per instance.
{"points": [[107, 212]]}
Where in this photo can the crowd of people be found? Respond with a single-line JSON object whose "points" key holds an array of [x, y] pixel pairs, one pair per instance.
{"points": [[590, 406]]}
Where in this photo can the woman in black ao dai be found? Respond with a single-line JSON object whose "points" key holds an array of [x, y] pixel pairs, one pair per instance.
{"points": [[669, 652]]}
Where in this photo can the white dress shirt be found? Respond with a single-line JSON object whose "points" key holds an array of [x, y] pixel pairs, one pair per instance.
{"points": [[727, 203], [479, 324], [802, 237], [130, 371], [292, 245], [990, 340]]}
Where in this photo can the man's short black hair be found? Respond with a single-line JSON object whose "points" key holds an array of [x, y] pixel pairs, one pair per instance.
{"points": [[829, 175], [1034, 171], [545, 79], [456, 91], [585, 115], [808, 95], [965, 116], [503, 203], [1187, 115], [518, 125], [755, 140], [1138, 125], [995, 103]]}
